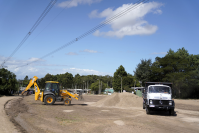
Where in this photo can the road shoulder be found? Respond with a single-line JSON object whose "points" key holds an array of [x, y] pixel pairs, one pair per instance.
{"points": [[6, 125]]}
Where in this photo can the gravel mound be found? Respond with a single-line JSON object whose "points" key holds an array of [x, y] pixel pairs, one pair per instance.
{"points": [[120, 100]]}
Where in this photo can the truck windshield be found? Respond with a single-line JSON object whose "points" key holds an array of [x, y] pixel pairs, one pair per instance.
{"points": [[159, 89]]}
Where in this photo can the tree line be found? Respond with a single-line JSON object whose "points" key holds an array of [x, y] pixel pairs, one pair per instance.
{"points": [[68, 81], [180, 68]]}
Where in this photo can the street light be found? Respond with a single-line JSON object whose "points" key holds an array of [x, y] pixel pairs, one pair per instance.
{"points": [[85, 86], [121, 83], [140, 83]]}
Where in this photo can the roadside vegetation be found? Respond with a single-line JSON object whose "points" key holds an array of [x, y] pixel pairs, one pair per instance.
{"points": [[8, 82], [180, 68]]}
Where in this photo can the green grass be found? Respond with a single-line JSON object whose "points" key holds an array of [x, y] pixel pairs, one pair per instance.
{"points": [[64, 121]]}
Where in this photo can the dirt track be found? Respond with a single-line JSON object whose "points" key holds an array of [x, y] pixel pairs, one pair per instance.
{"points": [[34, 116]]}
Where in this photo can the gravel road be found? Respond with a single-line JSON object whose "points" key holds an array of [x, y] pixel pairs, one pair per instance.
{"points": [[83, 116]]}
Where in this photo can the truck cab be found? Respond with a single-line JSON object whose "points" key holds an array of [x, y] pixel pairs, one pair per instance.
{"points": [[158, 96]]}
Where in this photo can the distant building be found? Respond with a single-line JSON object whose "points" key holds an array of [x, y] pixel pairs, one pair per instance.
{"points": [[137, 88], [108, 90]]}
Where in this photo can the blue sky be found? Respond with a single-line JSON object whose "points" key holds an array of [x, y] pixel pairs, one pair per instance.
{"points": [[144, 33]]}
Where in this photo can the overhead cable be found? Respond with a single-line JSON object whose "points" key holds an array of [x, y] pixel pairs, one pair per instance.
{"points": [[47, 9], [52, 20], [108, 21]]}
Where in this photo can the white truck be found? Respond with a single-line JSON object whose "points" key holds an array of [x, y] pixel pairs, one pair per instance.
{"points": [[158, 96]]}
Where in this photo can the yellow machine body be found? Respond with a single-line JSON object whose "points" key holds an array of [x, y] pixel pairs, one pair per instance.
{"points": [[39, 95]]}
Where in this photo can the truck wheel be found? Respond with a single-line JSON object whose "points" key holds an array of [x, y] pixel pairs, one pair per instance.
{"points": [[143, 106], [49, 100], [67, 102], [171, 112], [148, 110]]}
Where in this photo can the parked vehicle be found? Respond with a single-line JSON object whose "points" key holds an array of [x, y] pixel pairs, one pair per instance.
{"points": [[158, 96]]}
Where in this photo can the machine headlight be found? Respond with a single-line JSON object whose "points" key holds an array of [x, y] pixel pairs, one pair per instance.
{"points": [[170, 102], [150, 101]]}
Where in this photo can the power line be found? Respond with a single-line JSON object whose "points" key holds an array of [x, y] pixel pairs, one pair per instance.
{"points": [[109, 20], [52, 20], [128, 9], [47, 9]]}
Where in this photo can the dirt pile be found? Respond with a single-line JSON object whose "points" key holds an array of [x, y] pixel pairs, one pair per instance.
{"points": [[120, 100]]}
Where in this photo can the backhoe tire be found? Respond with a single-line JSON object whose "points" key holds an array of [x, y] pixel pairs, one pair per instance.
{"points": [[67, 102], [49, 99]]}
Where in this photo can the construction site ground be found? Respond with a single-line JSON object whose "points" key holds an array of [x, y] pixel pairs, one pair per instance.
{"points": [[101, 114]]}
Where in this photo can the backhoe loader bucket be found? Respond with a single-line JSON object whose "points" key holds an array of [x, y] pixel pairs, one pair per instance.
{"points": [[26, 93]]}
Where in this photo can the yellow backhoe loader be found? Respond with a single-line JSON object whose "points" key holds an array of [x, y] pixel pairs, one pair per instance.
{"points": [[51, 93]]}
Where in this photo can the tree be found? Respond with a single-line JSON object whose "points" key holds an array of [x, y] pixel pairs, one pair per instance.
{"points": [[77, 80], [66, 80], [95, 87], [8, 82], [117, 80], [143, 71], [49, 77], [41, 82], [180, 68], [26, 81]]}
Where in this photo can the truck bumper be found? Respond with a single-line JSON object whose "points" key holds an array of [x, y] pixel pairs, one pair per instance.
{"points": [[159, 107]]}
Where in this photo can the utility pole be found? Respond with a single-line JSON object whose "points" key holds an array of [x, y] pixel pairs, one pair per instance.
{"points": [[87, 87], [135, 83], [83, 84], [22, 85], [99, 85], [75, 87]]}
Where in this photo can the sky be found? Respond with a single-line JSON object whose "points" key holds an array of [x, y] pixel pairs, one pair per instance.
{"points": [[147, 31]]}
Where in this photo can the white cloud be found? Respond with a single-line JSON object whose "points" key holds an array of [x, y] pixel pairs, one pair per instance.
{"points": [[14, 66], [88, 51], [164, 53], [132, 23], [125, 52], [34, 59], [38, 68], [157, 11], [74, 71], [105, 13], [74, 3], [72, 53]]}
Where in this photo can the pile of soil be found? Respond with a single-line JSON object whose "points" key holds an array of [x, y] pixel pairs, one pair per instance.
{"points": [[120, 100]]}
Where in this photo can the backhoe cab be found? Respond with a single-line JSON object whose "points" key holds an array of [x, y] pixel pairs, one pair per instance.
{"points": [[51, 93]]}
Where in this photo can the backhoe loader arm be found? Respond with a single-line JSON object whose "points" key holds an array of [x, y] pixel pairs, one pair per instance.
{"points": [[31, 82], [38, 94]]}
